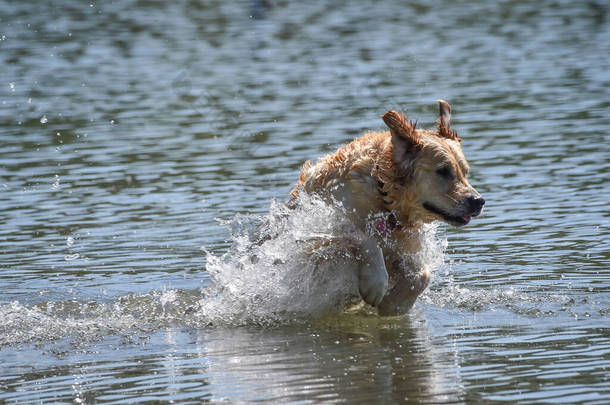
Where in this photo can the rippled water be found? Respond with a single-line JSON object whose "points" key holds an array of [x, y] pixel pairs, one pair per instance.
{"points": [[134, 136]]}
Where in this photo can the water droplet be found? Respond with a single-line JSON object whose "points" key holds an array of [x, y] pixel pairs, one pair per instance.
{"points": [[71, 257], [70, 241], [44, 119], [55, 184], [12, 86], [111, 122]]}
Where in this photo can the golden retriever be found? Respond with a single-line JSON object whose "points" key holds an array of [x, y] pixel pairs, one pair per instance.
{"points": [[407, 177]]}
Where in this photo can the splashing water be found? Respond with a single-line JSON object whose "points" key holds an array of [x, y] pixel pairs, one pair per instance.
{"points": [[285, 266], [90, 320], [291, 264], [279, 267]]}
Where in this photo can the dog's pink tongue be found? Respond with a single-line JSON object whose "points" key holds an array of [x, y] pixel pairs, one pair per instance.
{"points": [[466, 218]]}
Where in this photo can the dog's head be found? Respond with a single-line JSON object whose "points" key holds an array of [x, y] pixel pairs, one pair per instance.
{"points": [[430, 172]]}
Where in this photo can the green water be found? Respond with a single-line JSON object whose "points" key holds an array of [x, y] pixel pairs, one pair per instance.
{"points": [[129, 129]]}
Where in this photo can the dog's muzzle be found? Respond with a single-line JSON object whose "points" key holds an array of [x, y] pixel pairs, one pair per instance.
{"points": [[473, 206]]}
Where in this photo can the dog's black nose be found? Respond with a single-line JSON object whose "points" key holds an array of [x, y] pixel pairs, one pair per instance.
{"points": [[476, 203]]}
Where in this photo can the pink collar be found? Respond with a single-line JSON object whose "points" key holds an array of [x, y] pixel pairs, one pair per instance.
{"points": [[384, 226]]}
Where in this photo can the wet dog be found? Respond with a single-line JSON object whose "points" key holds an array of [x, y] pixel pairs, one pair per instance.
{"points": [[408, 177]]}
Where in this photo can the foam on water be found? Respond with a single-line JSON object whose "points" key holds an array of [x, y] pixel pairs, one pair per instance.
{"points": [[452, 295], [92, 320]]}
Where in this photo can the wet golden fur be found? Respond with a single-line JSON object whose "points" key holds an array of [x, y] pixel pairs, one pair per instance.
{"points": [[417, 175]]}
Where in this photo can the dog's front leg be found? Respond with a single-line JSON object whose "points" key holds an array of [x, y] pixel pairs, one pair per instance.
{"points": [[403, 294], [373, 276]]}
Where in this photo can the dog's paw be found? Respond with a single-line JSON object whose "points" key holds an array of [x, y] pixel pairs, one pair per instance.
{"points": [[373, 285]]}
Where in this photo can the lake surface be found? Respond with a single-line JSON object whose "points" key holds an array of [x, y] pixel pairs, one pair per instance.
{"points": [[134, 137]]}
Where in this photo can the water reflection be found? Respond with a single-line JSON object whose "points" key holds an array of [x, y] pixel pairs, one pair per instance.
{"points": [[356, 359], [348, 358]]}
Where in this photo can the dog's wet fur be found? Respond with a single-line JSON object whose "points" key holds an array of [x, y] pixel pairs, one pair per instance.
{"points": [[413, 176]]}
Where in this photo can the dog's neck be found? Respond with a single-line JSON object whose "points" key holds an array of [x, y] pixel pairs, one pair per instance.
{"points": [[389, 224]]}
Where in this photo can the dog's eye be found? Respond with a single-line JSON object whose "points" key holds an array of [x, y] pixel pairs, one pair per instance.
{"points": [[445, 172]]}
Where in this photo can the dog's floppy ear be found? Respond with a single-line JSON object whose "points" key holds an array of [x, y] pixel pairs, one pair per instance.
{"points": [[405, 140], [444, 122]]}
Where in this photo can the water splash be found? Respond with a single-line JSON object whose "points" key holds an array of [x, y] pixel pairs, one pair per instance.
{"points": [[285, 266], [279, 266], [278, 270], [291, 263], [92, 320], [448, 294]]}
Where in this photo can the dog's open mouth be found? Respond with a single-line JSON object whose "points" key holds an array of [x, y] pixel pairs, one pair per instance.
{"points": [[452, 219]]}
